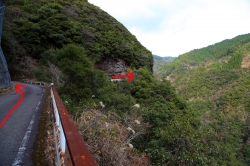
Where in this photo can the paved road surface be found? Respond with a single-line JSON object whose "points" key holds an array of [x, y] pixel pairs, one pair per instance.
{"points": [[18, 133]]}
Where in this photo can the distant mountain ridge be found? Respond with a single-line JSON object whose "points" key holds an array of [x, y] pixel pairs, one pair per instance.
{"points": [[206, 123], [159, 62], [168, 58], [213, 54], [215, 82], [78, 46]]}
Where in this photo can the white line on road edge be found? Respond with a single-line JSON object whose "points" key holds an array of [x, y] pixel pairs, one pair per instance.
{"points": [[22, 149]]}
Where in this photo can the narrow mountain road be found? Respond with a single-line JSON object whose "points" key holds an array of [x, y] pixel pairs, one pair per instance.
{"points": [[19, 131]]}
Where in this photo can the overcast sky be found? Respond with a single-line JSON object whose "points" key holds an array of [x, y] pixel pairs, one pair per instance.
{"points": [[174, 27]]}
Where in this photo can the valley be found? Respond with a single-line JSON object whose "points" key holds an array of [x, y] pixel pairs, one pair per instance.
{"points": [[215, 83], [193, 110]]}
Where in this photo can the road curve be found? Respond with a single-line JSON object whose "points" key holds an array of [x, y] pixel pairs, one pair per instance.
{"points": [[18, 133]]}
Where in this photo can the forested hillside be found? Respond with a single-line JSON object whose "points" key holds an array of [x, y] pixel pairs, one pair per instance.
{"points": [[33, 28], [143, 122], [215, 82], [138, 123], [159, 62], [214, 55]]}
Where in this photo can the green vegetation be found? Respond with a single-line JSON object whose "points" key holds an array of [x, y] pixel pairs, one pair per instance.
{"points": [[205, 123], [214, 56], [33, 27], [159, 62], [61, 41], [215, 83]]}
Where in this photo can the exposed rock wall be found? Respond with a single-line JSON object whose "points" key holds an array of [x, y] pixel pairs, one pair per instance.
{"points": [[112, 66], [4, 72]]}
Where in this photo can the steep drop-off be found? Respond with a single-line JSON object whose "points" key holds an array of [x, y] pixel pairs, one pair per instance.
{"points": [[215, 82], [143, 122], [78, 46]]}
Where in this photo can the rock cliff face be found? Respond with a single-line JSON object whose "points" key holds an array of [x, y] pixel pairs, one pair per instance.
{"points": [[4, 72], [112, 66]]}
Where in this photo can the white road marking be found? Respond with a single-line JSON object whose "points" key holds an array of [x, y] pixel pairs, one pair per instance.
{"points": [[19, 157]]}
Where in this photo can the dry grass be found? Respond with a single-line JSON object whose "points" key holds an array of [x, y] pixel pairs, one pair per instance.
{"points": [[6, 90], [108, 137], [246, 62]]}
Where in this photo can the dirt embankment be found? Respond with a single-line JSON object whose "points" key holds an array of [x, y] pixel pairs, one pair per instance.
{"points": [[246, 62]]}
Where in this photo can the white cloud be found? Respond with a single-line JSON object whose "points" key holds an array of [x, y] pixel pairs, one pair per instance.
{"points": [[125, 9], [173, 27]]}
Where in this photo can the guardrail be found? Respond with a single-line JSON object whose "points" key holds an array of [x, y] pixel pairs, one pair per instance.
{"points": [[35, 82], [70, 147]]}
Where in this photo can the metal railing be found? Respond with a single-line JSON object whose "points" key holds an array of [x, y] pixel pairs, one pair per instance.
{"points": [[35, 82], [70, 147]]}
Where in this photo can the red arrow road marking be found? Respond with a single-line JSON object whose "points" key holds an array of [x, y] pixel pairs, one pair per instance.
{"points": [[129, 75], [18, 88]]}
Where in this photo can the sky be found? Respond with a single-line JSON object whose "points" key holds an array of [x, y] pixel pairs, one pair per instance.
{"points": [[174, 27]]}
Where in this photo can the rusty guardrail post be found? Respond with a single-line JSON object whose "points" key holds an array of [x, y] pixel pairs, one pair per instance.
{"points": [[59, 136], [70, 147]]}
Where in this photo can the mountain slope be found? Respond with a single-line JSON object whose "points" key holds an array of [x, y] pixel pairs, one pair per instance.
{"points": [[159, 62], [61, 41], [33, 27], [143, 122], [215, 82]]}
